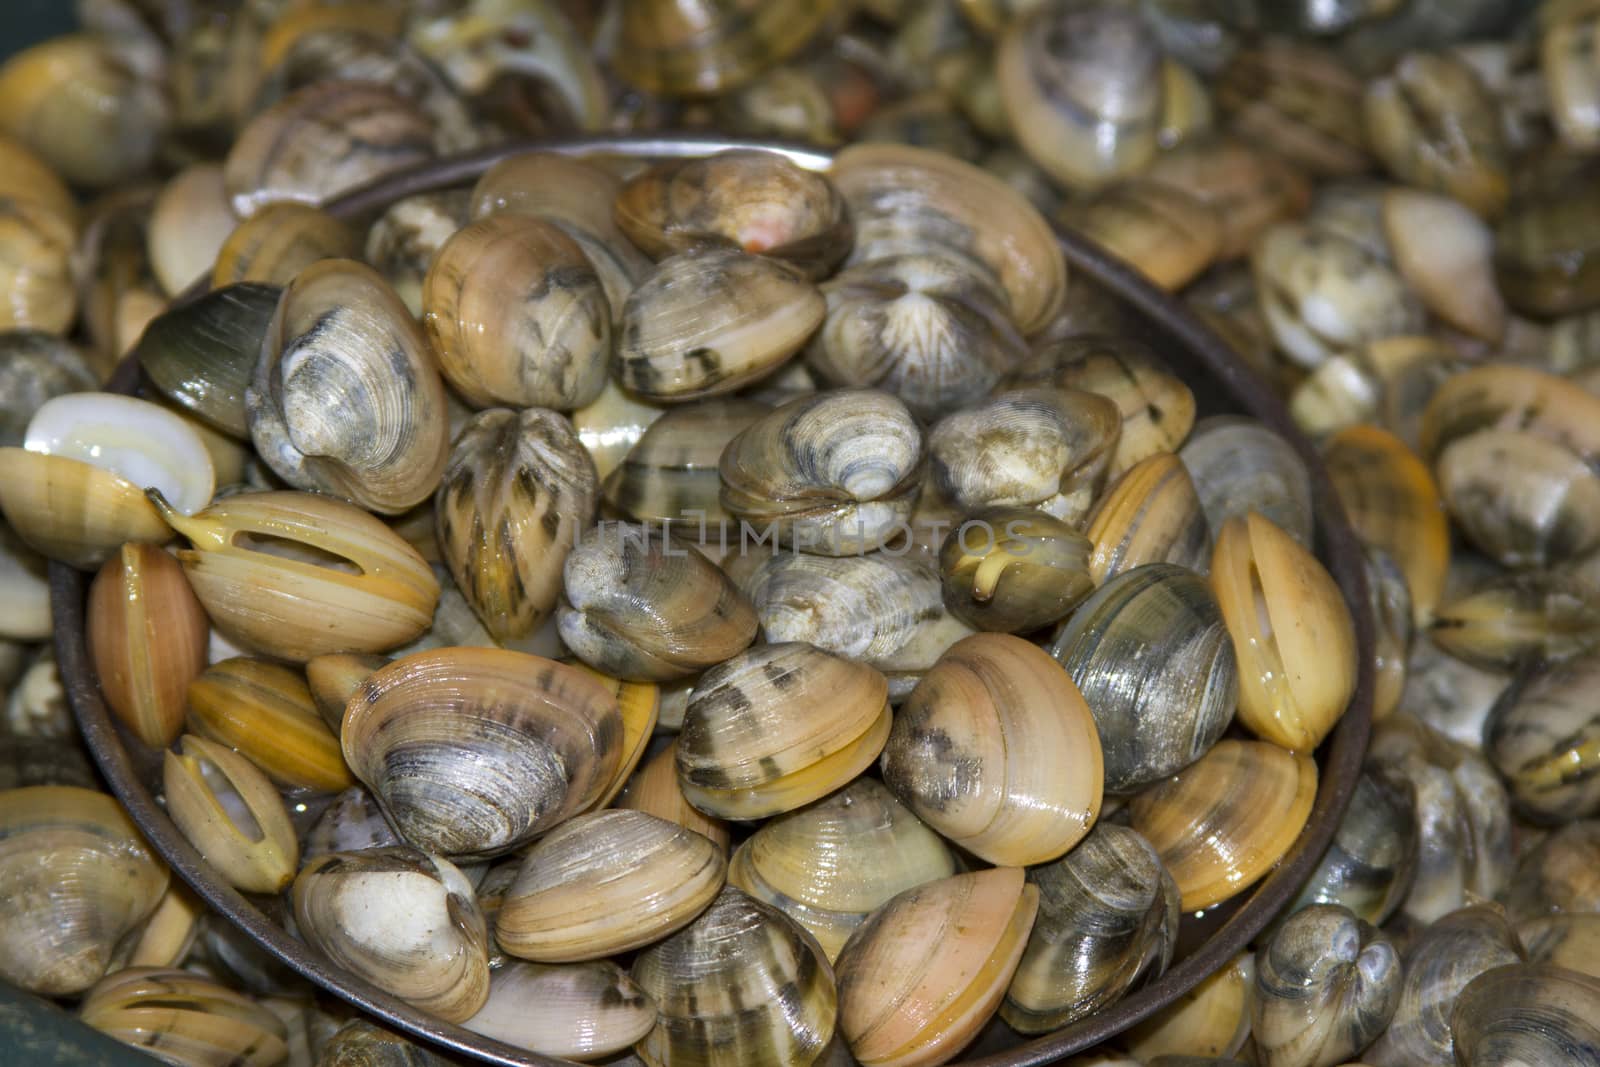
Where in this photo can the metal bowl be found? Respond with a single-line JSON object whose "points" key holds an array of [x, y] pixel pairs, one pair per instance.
{"points": [[1221, 382]]}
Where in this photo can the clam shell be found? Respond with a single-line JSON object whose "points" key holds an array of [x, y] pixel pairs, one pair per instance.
{"points": [[1152, 514], [1299, 98], [203, 354], [403, 241], [927, 970], [29, 177], [1518, 619], [77, 880], [1154, 714], [278, 242], [189, 222], [1222, 822], [1558, 875], [996, 750], [182, 1017], [677, 49], [474, 751], [426, 944], [1369, 866], [139, 441], [640, 705], [1544, 257], [265, 712], [72, 512], [36, 268], [671, 474], [1445, 253], [743, 753], [1543, 736], [1108, 920], [34, 367], [829, 864], [147, 638], [579, 1011], [1212, 1019], [654, 790], [1526, 1014], [1562, 940], [741, 986], [1387, 382], [607, 882], [1169, 235], [517, 492], [231, 814], [334, 678], [25, 589], [1014, 570], [1238, 465], [352, 822], [1247, 187], [517, 315]]}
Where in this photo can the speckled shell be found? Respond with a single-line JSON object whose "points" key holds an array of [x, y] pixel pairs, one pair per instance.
{"points": [[1543, 736], [516, 494], [183, 1017], [517, 316], [582, 1011], [1108, 921], [1222, 822], [741, 986], [925, 971], [265, 712], [1152, 514], [711, 320], [834, 472], [830, 863], [1014, 570], [1155, 714], [1238, 465], [607, 882], [1369, 866], [1527, 1014], [996, 750], [1326, 985], [746, 753], [474, 751], [642, 608], [427, 945]]}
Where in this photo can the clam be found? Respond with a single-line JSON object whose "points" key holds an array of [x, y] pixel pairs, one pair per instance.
{"points": [[1155, 713], [1211, 1019], [671, 474], [1438, 966], [1557, 876], [706, 49], [926, 970], [711, 320], [202, 355], [232, 815], [29, 177], [278, 242], [322, 140], [1543, 736], [1238, 465], [297, 575], [996, 750], [1544, 256], [1291, 630], [833, 472], [1169, 235], [744, 752], [265, 712], [334, 678], [359, 1043], [78, 102], [1157, 407], [1322, 293], [755, 201], [1434, 125], [1247, 187], [26, 591], [474, 751], [741, 986], [640, 608], [1446, 254], [77, 883], [1392, 503], [612, 425], [37, 706], [1220, 823], [654, 789], [189, 222], [403, 241], [1450, 695], [1327, 984], [1041, 447], [1563, 941], [34, 367], [346, 398], [934, 331], [424, 941], [909, 200], [1014, 570], [1301, 100], [1387, 382], [926, 120], [517, 315], [172, 930], [1082, 89], [607, 882], [1463, 817], [147, 637], [183, 1017], [352, 822], [1108, 920], [830, 863], [1532, 1013], [1369, 866], [580, 1011], [36, 248], [1151, 514], [1517, 619], [516, 494], [640, 705]]}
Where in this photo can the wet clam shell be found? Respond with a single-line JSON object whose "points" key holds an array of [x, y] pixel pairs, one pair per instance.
{"points": [[402, 243], [640, 704], [1327, 984], [613, 424], [1014, 570], [605, 883], [1369, 866], [474, 751], [996, 750], [335, 677], [352, 822], [203, 355], [1530, 1013], [1152, 514], [182, 1017], [232, 814], [1108, 920], [1238, 465], [580, 1011], [1212, 1019], [25, 587], [265, 711], [516, 494], [926, 970], [1543, 736], [1558, 875], [671, 474], [654, 790], [1518, 619], [831, 863], [741, 986], [189, 221], [1563, 940], [1155, 714], [693, 50], [517, 315], [744, 753], [278, 242], [1222, 822]]}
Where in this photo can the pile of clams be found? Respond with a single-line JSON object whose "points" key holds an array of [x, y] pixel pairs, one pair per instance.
{"points": [[711, 611]]}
